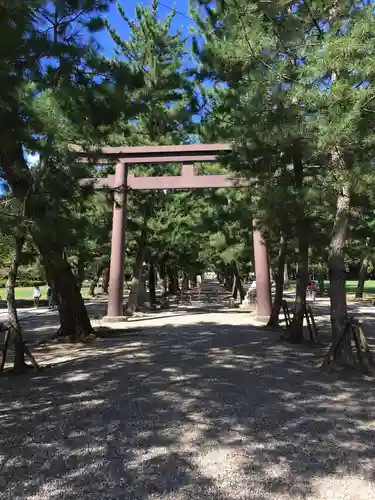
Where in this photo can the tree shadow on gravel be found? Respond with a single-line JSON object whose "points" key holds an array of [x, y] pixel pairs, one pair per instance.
{"points": [[199, 411]]}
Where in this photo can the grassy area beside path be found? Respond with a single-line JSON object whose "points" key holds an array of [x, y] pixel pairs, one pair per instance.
{"points": [[24, 295], [369, 290], [351, 285]]}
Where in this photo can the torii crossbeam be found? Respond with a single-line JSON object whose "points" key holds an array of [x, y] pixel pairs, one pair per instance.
{"points": [[122, 181]]}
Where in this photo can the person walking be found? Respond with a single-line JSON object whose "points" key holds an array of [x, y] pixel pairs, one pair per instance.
{"points": [[36, 296], [313, 290]]}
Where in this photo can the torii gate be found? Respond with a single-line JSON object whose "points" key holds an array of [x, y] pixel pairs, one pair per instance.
{"points": [[122, 181]]}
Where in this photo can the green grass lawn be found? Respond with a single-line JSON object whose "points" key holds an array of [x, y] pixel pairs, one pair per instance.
{"points": [[351, 285], [369, 291], [26, 293]]}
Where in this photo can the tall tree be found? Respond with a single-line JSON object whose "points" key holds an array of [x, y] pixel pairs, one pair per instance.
{"points": [[339, 91], [45, 46], [245, 49], [156, 50]]}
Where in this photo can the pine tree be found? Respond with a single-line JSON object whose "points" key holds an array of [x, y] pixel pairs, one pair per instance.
{"points": [[245, 49], [168, 96], [39, 116]]}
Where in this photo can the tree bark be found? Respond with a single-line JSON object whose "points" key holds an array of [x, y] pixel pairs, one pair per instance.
{"points": [[133, 300], [279, 284], [302, 230], [80, 270], [173, 286], [95, 279], [152, 284], [238, 284], [337, 272], [164, 279], [234, 287], [185, 282], [228, 282], [296, 331], [19, 351], [193, 280], [321, 287], [74, 319], [363, 272], [286, 274], [143, 295], [106, 279]]}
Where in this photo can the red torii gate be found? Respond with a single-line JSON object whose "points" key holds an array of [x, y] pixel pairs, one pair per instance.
{"points": [[122, 181]]}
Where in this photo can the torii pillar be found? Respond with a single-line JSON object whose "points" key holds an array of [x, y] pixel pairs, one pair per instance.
{"points": [[262, 274], [115, 311]]}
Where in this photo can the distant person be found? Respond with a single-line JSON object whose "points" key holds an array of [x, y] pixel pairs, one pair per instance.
{"points": [[313, 289], [36, 296], [308, 290]]}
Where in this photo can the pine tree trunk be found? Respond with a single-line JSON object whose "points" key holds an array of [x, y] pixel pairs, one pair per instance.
{"points": [[228, 282], [193, 280], [95, 279], [321, 284], [80, 270], [74, 319], [152, 284], [238, 284], [337, 273], [143, 296], [173, 287], [106, 279], [164, 279], [15, 338], [132, 305], [296, 331], [134, 294], [234, 287], [302, 230], [362, 278], [279, 283], [363, 272], [185, 282], [286, 275]]}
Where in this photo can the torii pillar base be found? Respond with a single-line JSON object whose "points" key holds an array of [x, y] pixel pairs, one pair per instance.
{"points": [[114, 319]]}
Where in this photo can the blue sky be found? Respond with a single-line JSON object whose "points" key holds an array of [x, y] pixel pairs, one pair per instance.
{"points": [[181, 20]]}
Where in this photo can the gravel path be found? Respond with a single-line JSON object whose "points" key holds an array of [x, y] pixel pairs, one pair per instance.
{"points": [[201, 410]]}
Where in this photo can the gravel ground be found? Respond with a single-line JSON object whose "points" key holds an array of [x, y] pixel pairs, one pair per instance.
{"points": [[205, 409]]}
